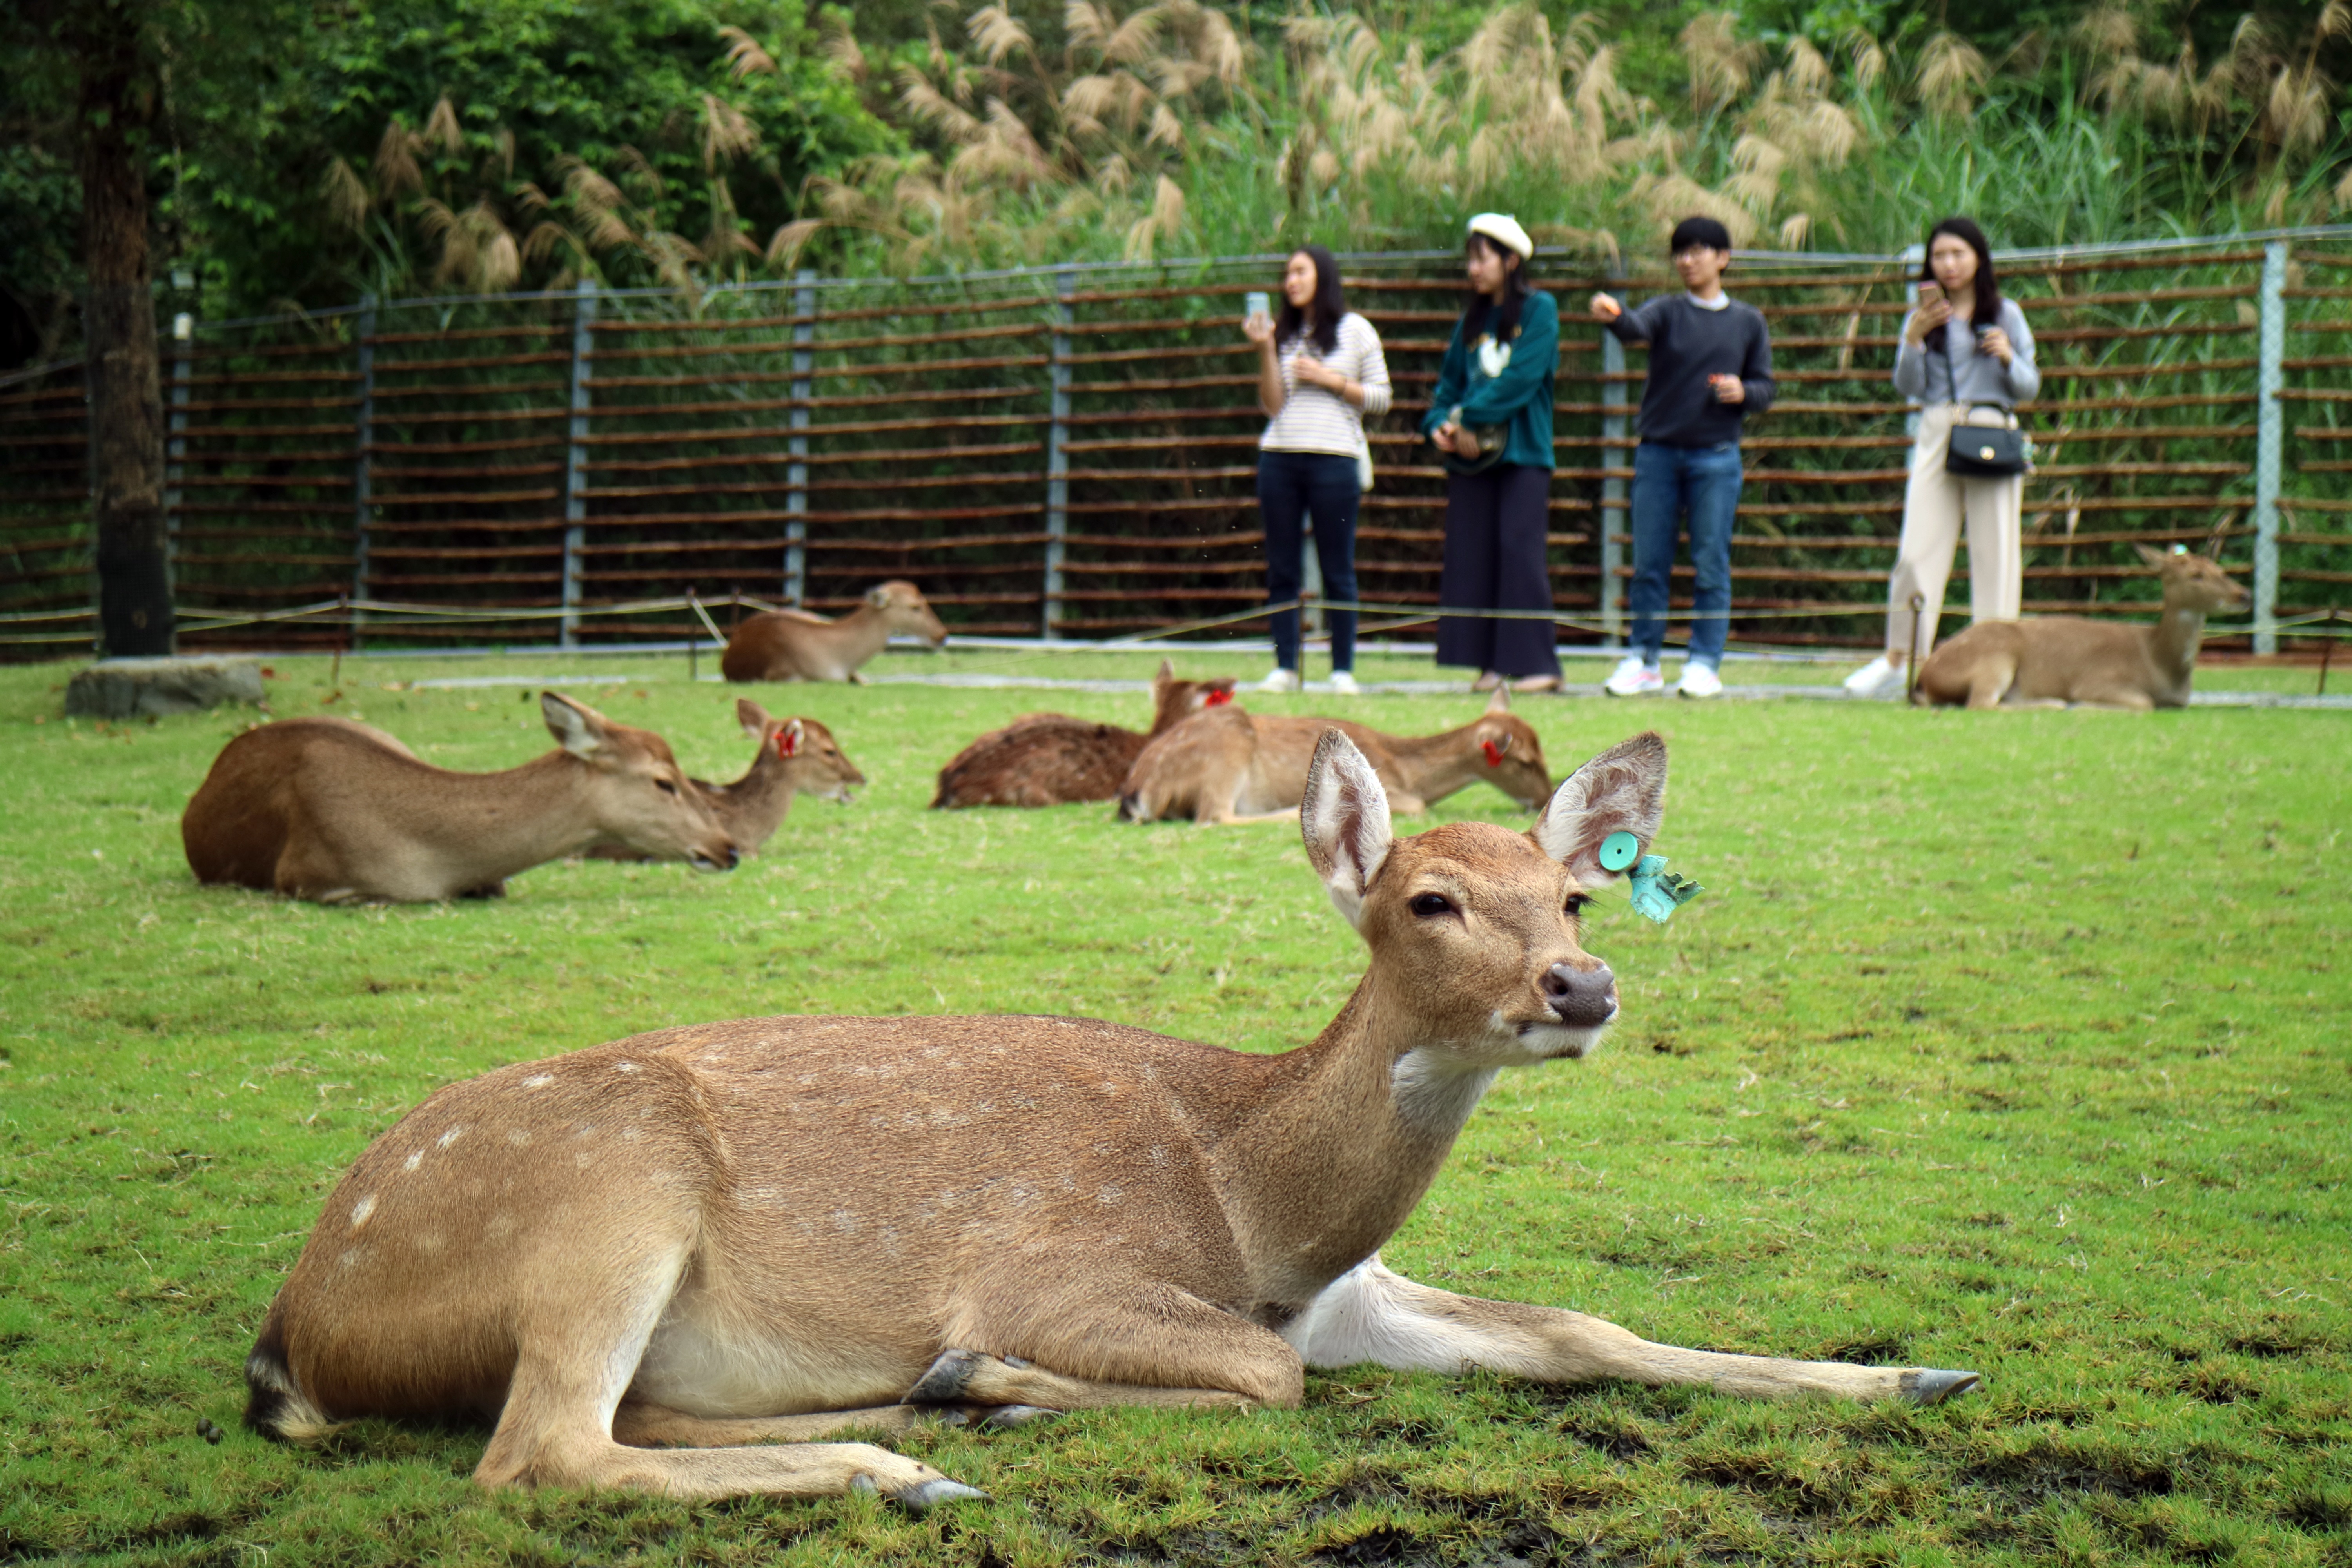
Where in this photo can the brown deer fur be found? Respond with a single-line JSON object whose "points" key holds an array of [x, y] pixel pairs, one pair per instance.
{"points": [[715, 1238], [331, 811], [2056, 660], [792, 645], [796, 756], [1051, 759], [1231, 765]]}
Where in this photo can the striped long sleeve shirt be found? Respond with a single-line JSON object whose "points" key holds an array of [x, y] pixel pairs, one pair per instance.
{"points": [[1314, 420]]}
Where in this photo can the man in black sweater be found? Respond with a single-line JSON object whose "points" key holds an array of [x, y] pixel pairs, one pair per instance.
{"points": [[1710, 366]]}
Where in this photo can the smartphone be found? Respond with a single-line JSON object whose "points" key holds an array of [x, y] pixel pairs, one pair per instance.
{"points": [[1254, 304], [1930, 294]]}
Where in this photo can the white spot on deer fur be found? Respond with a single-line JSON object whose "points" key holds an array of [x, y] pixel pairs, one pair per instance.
{"points": [[538, 1080], [450, 1137], [500, 1226], [415, 1158], [517, 1136], [361, 1209], [1109, 1193], [624, 1066]]}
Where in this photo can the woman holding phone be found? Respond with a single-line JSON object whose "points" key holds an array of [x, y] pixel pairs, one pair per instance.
{"points": [[1966, 357], [1320, 371]]}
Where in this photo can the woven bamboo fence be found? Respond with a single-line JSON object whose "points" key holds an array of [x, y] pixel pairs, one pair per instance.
{"points": [[1071, 453]]}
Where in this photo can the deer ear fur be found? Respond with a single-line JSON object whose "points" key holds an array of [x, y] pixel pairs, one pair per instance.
{"points": [[752, 716], [879, 597], [1345, 821], [1622, 790], [577, 727], [1500, 702]]}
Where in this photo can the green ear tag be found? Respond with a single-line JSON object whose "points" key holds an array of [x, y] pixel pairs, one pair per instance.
{"points": [[1619, 851]]}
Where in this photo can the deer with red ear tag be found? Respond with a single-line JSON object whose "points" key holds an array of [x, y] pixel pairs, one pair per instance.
{"points": [[715, 1246]]}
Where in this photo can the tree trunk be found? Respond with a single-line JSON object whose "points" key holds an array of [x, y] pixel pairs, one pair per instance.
{"points": [[118, 112]]}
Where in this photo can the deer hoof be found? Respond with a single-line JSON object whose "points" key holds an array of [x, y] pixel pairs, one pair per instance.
{"points": [[945, 1381], [924, 1495], [1004, 1417], [1935, 1387]]}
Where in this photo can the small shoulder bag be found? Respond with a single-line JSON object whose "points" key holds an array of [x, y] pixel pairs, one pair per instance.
{"points": [[1985, 451]]}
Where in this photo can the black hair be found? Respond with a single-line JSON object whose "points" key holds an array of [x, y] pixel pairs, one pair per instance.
{"points": [[1704, 231], [1330, 304], [1988, 286], [1516, 290]]}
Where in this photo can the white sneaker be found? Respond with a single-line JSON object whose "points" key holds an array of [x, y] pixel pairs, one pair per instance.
{"points": [[1632, 677], [1280, 680], [1700, 680], [1343, 682], [1882, 677]]}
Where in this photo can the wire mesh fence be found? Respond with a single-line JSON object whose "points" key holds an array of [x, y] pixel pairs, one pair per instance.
{"points": [[1070, 453]]}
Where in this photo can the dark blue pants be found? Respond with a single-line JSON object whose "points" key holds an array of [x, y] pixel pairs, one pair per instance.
{"points": [[1291, 486], [1669, 481], [1494, 560]]}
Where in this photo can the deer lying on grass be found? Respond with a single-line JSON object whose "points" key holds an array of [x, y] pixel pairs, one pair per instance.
{"points": [[796, 756], [677, 1262], [2058, 661], [1051, 759], [794, 645], [1231, 765], [336, 812]]}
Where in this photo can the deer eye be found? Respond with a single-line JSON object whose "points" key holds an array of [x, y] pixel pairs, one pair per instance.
{"points": [[1429, 906], [665, 787], [1576, 905]]}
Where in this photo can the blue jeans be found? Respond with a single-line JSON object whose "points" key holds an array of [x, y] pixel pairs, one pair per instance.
{"points": [[1292, 485], [1669, 481]]}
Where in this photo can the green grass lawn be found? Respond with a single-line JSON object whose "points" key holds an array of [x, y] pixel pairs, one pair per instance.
{"points": [[2012, 1042]]}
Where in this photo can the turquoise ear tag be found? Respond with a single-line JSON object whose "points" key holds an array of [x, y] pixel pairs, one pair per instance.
{"points": [[1619, 851], [1657, 891]]}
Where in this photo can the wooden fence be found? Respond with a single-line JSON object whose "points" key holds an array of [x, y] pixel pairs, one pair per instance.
{"points": [[1072, 453]]}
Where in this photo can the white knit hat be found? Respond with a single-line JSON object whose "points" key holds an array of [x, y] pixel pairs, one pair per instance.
{"points": [[1504, 230]]}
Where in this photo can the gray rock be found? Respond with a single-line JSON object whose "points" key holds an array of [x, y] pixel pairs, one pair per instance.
{"points": [[152, 688]]}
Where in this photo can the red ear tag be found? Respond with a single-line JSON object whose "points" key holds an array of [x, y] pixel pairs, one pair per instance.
{"points": [[788, 743], [1216, 699], [1493, 753]]}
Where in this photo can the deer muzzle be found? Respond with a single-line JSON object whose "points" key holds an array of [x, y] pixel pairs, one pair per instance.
{"points": [[1582, 998]]}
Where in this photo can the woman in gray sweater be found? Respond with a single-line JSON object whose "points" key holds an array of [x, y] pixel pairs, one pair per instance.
{"points": [[1966, 357]]}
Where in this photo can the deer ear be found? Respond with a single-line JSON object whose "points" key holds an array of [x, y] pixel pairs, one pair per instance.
{"points": [[752, 716], [1167, 672], [1500, 702], [789, 740], [1622, 790], [577, 727], [879, 597], [2150, 557], [1345, 821]]}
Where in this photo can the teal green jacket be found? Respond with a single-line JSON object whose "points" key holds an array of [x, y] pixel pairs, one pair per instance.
{"points": [[1520, 397]]}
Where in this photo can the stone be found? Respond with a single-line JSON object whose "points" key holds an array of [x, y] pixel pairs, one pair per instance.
{"points": [[154, 688]]}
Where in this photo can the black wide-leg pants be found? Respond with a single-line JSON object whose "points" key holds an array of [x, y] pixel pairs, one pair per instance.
{"points": [[1495, 527]]}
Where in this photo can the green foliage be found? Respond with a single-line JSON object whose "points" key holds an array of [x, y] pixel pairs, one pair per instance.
{"points": [[2006, 1041]]}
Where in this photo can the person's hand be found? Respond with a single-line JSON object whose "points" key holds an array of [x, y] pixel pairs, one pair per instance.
{"points": [[1314, 373], [1443, 436], [1465, 446], [1729, 388], [1927, 318], [1607, 309], [1258, 329], [1996, 342]]}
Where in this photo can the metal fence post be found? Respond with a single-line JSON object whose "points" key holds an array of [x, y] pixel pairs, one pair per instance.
{"points": [[2270, 431], [363, 478], [175, 446], [1057, 460], [575, 458], [1612, 513], [796, 475]]}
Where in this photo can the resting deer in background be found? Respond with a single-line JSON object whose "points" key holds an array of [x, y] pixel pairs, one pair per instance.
{"points": [[707, 1249], [794, 645], [339, 813], [1232, 765], [2057, 660], [796, 756], [1051, 759]]}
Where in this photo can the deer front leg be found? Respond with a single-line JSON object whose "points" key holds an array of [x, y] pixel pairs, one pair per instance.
{"points": [[1369, 1314]]}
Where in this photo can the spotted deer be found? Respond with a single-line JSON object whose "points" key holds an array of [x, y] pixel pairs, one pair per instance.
{"points": [[336, 812], [1051, 759], [690, 1261]]}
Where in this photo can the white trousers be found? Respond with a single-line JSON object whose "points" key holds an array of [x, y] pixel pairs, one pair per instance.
{"points": [[1934, 505]]}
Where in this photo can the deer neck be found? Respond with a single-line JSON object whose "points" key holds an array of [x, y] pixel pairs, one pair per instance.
{"points": [[860, 634], [1332, 1145], [2172, 644], [508, 822], [1434, 766]]}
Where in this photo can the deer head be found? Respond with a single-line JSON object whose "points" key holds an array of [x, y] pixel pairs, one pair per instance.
{"points": [[634, 789], [905, 612], [2196, 581]]}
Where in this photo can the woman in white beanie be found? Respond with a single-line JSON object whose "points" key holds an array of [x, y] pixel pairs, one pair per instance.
{"points": [[1490, 419]]}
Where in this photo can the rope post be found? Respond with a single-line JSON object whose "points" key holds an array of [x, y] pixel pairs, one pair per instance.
{"points": [[2270, 431], [1057, 460], [796, 473], [575, 459], [2326, 651], [1911, 665], [362, 471], [1613, 514], [175, 446]]}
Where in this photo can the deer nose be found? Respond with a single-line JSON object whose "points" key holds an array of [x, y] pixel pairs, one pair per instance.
{"points": [[1584, 997]]}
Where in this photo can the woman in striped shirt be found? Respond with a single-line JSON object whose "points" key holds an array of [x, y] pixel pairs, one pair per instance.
{"points": [[1319, 371]]}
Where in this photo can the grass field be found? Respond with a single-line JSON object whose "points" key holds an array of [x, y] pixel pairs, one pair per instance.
{"points": [[2013, 1042]]}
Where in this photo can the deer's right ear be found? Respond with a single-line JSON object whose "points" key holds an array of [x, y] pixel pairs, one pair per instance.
{"points": [[1622, 790], [752, 716], [1167, 672], [1345, 821], [578, 730]]}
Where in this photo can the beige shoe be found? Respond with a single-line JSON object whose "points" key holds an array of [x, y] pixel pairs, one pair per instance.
{"points": [[1487, 682], [1537, 683]]}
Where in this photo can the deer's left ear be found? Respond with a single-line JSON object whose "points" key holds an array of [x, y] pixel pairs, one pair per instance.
{"points": [[1622, 790], [752, 716], [1345, 821]]}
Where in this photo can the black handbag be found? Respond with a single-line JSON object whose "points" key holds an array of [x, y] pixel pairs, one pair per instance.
{"points": [[1988, 451], [1492, 440]]}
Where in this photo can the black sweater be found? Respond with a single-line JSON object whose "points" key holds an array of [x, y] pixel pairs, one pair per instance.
{"points": [[1689, 343]]}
